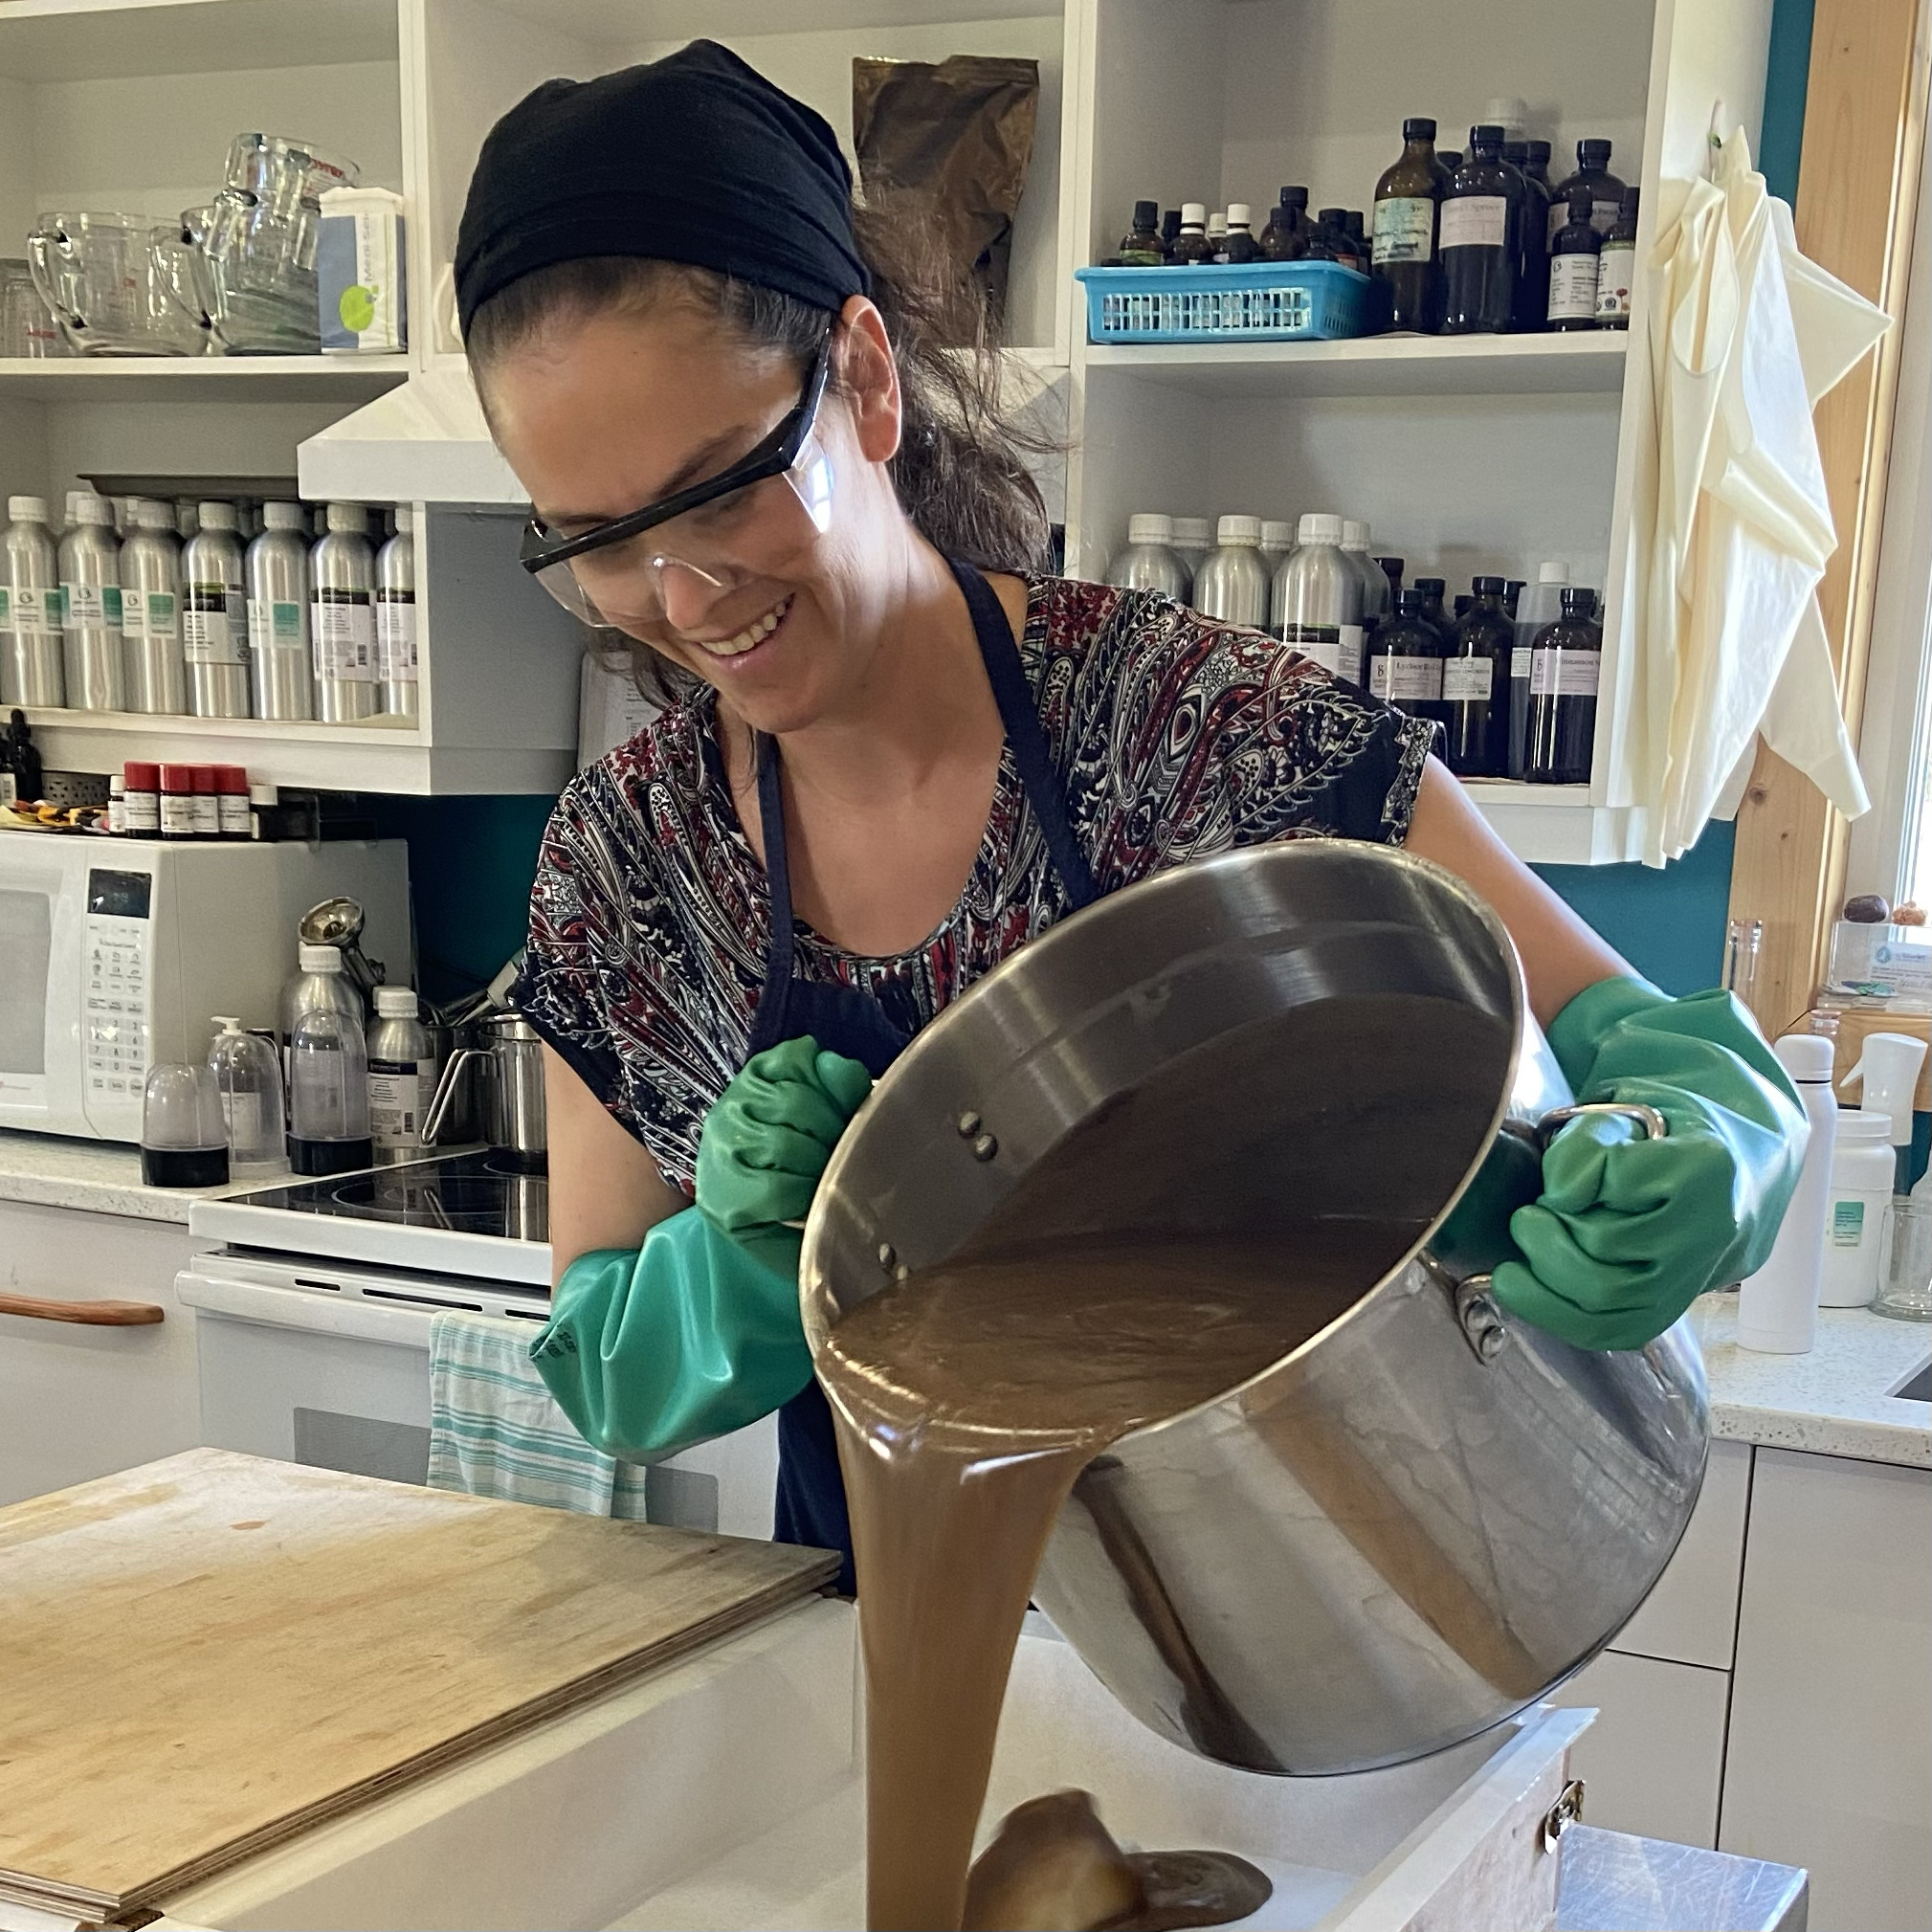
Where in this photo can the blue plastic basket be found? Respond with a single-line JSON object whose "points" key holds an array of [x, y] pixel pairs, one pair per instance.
{"points": [[1259, 302]]}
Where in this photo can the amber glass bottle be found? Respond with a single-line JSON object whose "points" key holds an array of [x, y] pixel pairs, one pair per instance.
{"points": [[1403, 245]]}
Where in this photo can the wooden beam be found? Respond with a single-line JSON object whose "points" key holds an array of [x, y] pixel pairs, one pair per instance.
{"points": [[1865, 113]]}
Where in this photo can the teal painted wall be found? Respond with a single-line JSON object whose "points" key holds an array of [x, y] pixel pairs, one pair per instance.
{"points": [[472, 859]]}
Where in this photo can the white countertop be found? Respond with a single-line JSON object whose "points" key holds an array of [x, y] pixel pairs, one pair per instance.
{"points": [[1831, 1402], [97, 1177]]}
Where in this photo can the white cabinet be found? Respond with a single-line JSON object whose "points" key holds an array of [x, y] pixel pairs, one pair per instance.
{"points": [[1653, 1761], [1830, 1760], [77, 1402], [1691, 1617]]}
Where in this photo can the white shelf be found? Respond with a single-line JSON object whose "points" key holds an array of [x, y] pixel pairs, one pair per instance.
{"points": [[371, 757], [1558, 824], [626, 22], [1581, 364], [348, 381], [60, 40]]}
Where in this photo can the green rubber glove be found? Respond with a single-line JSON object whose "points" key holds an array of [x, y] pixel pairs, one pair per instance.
{"points": [[1630, 1232], [698, 1332]]}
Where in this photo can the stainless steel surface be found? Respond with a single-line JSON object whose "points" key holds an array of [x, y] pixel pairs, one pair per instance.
{"points": [[150, 614], [32, 666], [281, 675], [343, 570], [214, 616], [396, 618], [1613, 1883], [1395, 1537], [1233, 585], [511, 1070], [95, 672]]}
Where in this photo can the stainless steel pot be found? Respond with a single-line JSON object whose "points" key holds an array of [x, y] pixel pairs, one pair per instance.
{"points": [[1430, 1513], [511, 1069]]}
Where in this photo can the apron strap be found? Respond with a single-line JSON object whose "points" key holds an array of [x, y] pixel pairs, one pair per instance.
{"points": [[1026, 734]]}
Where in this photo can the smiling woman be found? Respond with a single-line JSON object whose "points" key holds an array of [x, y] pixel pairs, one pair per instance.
{"points": [[896, 753]]}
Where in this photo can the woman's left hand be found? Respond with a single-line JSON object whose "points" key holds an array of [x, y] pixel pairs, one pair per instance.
{"points": [[767, 1141]]}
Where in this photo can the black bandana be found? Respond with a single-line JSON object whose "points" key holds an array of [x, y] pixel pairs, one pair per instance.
{"points": [[695, 158]]}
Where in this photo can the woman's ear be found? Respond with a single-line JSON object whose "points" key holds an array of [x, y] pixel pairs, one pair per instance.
{"points": [[868, 377]]}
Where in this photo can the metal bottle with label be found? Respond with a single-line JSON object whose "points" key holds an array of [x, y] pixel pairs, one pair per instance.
{"points": [[1316, 604], [90, 590], [275, 573], [30, 670], [150, 611], [402, 1076], [214, 616], [342, 616], [396, 618], [1231, 584]]}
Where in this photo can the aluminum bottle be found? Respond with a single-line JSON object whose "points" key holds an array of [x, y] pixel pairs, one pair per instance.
{"points": [[402, 1076], [150, 611], [1378, 601], [275, 573], [1231, 584], [342, 616], [214, 616], [30, 670], [1316, 603], [1149, 562], [319, 983], [90, 592], [396, 618]]}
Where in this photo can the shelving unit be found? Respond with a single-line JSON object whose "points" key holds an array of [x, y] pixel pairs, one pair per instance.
{"points": [[196, 380]]}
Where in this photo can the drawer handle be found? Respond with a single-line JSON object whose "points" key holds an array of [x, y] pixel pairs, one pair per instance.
{"points": [[86, 1314], [1567, 1810]]}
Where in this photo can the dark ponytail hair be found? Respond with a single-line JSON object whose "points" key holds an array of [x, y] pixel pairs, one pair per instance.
{"points": [[961, 471]]}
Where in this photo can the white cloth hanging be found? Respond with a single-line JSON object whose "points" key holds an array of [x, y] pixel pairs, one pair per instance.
{"points": [[1731, 526]]}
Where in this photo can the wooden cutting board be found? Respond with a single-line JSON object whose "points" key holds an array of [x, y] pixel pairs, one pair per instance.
{"points": [[202, 1656]]}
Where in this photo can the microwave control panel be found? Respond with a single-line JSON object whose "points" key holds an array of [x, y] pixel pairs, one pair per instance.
{"points": [[117, 971]]}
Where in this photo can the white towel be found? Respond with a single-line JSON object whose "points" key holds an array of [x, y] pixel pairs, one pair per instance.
{"points": [[496, 1431]]}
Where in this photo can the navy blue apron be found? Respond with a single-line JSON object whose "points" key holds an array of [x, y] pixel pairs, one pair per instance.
{"points": [[810, 1506]]}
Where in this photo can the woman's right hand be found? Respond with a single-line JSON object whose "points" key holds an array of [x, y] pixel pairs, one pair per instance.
{"points": [[767, 1140]]}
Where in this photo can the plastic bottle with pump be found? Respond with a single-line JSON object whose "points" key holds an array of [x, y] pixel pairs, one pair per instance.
{"points": [[1778, 1306]]}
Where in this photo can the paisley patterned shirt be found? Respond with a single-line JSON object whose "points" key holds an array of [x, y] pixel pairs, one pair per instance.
{"points": [[1175, 737]]}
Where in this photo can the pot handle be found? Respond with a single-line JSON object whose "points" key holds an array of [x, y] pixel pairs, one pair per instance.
{"points": [[445, 1090], [1656, 1127]]}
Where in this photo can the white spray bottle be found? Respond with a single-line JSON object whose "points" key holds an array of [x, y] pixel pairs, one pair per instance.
{"points": [[1888, 1071], [1778, 1306]]}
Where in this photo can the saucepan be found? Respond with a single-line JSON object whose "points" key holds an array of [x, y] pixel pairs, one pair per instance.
{"points": [[1427, 1515]]}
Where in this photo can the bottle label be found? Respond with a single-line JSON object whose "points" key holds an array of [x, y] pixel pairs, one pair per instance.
{"points": [[140, 813], [1518, 664], [1556, 673], [207, 636], [1848, 1224], [1602, 215], [243, 1114], [1468, 680], [395, 641], [232, 814], [177, 814], [148, 617], [1406, 679], [396, 1104], [35, 613], [1349, 652], [274, 627], [10, 792], [92, 607], [204, 814], [1615, 272], [1325, 652], [344, 630], [1572, 287], [1405, 229], [1476, 221]]}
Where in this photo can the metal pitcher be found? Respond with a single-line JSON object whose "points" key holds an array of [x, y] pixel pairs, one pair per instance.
{"points": [[1430, 1513], [511, 1067]]}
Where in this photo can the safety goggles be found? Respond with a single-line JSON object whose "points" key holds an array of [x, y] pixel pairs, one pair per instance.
{"points": [[675, 559]]}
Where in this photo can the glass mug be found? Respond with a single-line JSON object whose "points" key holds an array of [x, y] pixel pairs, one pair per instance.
{"points": [[27, 326], [107, 282]]}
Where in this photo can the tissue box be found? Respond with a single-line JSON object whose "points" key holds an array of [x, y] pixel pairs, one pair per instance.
{"points": [[361, 285]]}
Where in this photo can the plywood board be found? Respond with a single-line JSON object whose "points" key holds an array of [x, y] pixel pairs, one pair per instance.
{"points": [[201, 1656]]}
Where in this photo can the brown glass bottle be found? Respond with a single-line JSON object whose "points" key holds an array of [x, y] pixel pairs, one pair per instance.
{"points": [[1432, 590], [1592, 171], [1170, 230], [1565, 659], [1285, 238], [1477, 238], [1617, 267], [1240, 246], [1476, 685], [1141, 246], [1532, 265], [1573, 267], [1404, 665], [1402, 249], [1192, 246]]}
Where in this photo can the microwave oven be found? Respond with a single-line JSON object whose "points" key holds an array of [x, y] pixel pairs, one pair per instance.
{"points": [[116, 953]]}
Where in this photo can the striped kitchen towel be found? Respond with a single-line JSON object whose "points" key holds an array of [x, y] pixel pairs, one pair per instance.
{"points": [[494, 1430]]}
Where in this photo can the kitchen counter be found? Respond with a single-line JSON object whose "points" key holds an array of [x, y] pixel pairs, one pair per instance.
{"points": [[1831, 1402], [96, 1177]]}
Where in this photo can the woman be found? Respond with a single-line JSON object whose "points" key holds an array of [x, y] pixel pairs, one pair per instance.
{"points": [[895, 754]]}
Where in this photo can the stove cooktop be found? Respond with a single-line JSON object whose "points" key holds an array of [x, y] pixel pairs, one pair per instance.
{"points": [[479, 1193]]}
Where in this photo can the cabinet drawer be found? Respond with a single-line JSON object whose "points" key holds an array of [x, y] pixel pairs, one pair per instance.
{"points": [[1653, 1762], [1692, 1616]]}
